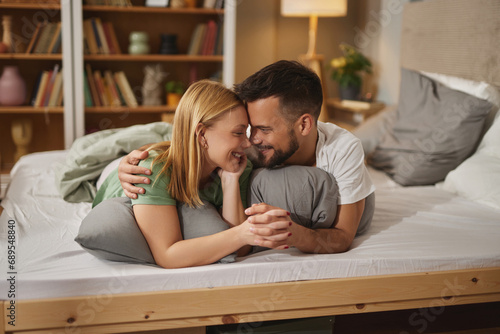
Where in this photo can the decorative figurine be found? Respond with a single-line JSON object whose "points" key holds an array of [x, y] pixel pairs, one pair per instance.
{"points": [[152, 87]]}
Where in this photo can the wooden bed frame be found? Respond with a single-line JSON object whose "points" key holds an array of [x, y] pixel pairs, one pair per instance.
{"points": [[190, 311]]}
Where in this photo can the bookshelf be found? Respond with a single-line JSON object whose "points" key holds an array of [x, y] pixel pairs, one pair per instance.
{"points": [[57, 127], [51, 127], [183, 66]]}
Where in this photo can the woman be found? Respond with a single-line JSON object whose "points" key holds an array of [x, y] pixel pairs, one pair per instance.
{"points": [[205, 160]]}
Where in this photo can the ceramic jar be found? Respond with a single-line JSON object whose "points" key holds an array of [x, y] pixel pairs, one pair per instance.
{"points": [[138, 43], [12, 87]]}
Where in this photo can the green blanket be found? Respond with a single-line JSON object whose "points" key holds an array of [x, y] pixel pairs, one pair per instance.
{"points": [[89, 155]]}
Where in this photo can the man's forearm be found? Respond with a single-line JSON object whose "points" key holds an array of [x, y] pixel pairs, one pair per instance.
{"points": [[320, 241]]}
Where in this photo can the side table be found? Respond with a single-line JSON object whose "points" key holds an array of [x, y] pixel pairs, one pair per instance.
{"points": [[350, 114]]}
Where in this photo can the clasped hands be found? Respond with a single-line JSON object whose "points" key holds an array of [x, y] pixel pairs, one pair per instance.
{"points": [[270, 226]]}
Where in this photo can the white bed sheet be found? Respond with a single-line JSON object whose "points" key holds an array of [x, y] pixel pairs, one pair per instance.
{"points": [[414, 229]]}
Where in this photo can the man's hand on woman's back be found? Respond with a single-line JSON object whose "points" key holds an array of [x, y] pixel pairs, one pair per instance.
{"points": [[128, 171]]}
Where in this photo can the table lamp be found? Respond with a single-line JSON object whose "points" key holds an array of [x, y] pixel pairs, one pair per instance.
{"points": [[314, 9]]}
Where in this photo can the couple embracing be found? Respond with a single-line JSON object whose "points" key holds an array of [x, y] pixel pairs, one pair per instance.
{"points": [[296, 182]]}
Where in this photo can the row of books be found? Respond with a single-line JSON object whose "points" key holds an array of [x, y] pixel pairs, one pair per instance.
{"points": [[118, 3], [107, 89], [206, 39], [99, 37], [46, 38], [48, 89]]}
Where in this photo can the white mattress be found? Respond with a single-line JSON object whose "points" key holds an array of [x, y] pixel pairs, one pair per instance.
{"points": [[414, 229]]}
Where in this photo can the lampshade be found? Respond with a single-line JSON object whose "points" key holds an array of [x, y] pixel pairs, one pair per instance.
{"points": [[314, 7]]}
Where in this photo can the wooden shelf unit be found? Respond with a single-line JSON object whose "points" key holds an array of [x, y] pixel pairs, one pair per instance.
{"points": [[56, 128], [48, 123], [179, 67]]}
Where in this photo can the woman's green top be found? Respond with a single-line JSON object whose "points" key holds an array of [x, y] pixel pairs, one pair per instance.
{"points": [[157, 192]]}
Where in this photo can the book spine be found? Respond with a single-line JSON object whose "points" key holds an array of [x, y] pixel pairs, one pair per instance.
{"points": [[86, 91], [100, 50], [112, 88], [56, 35], [92, 85], [34, 38], [100, 88], [56, 90], [41, 88], [89, 35], [35, 88], [102, 36], [127, 89]]}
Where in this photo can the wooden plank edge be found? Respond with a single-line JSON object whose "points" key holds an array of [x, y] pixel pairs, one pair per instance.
{"points": [[287, 296], [269, 315]]}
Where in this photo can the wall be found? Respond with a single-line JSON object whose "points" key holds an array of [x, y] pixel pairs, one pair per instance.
{"points": [[263, 36], [374, 26]]}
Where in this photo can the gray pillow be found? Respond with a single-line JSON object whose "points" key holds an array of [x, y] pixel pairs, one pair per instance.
{"points": [[110, 231], [436, 129], [374, 128], [308, 193]]}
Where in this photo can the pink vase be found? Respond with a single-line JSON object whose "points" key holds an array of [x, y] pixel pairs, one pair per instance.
{"points": [[12, 87]]}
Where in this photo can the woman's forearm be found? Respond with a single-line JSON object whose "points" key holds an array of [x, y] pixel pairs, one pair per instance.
{"points": [[201, 251], [233, 211]]}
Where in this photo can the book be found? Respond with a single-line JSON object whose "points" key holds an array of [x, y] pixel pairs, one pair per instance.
{"points": [[34, 37], [50, 83], [102, 36], [56, 90], [126, 89], [93, 89], [86, 91], [197, 38], [360, 105], [111, 36], [101, 89], [210, 38], [52, 48], [123, 102], [89, 35], [219, 43], [112, 88], [45, 37], [41, 88], [100, 50], [35, 88]]}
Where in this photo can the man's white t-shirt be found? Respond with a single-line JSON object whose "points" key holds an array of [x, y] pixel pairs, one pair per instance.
{"points": [[340, 153]]}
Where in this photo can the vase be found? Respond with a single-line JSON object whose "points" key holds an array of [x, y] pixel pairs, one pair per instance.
{"points": [[349, 92], [12, 87], [138, 43], [168, 45]]}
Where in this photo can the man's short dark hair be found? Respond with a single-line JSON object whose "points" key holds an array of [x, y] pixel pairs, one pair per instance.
{"points": [[297, 87]]}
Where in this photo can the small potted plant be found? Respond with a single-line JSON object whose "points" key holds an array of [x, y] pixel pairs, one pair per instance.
{"points": [[347, 71], [174, 90]]}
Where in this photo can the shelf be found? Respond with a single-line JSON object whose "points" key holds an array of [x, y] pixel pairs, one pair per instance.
{"points": [[154, 10], [25, 6], [31, 56], [140, 109], [154, 57], [30, 110]]}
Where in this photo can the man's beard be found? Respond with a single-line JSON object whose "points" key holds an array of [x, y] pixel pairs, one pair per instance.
{"points": [[279, 156]]}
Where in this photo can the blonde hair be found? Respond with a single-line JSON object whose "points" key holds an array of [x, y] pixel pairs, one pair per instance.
{"points": [[203, 103]]}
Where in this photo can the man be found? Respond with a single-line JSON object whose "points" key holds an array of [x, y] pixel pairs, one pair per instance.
{"points": [[284, 101]]}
